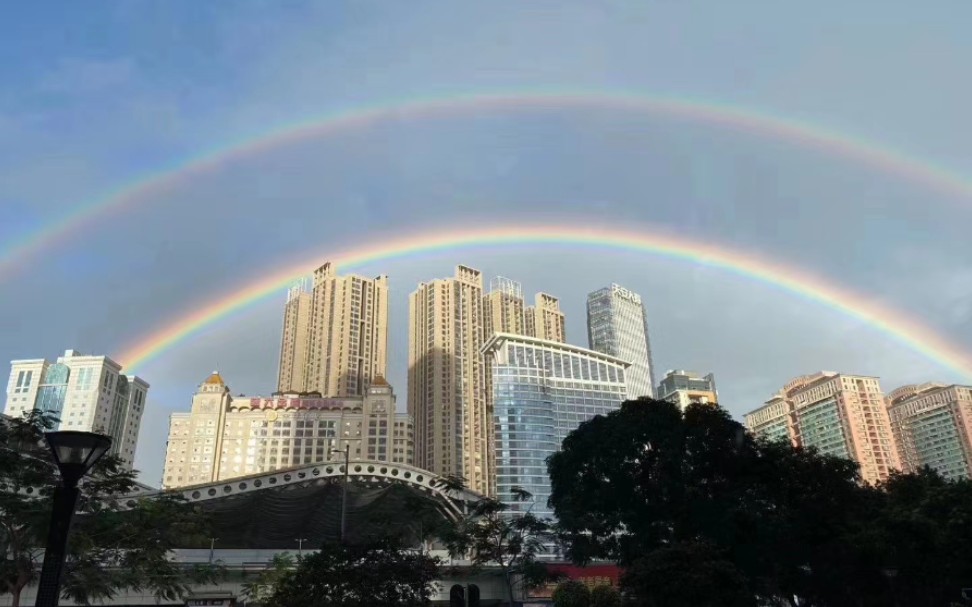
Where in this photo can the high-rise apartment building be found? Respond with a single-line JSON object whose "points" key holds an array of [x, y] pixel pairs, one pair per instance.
{"points": [[345, 335], [87, 393], [686, 387], [225, 436], [446, 379], [618, 326], [503, 310], [772, 420], [932, 426], [542, 390], [839, 414], [293, 344], [544, 319]]}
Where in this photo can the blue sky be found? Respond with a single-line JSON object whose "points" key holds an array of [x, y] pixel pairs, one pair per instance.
{"points": [[95, 95]]}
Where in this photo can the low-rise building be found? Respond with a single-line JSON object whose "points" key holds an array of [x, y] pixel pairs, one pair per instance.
{"points": [[225, 436], [686, 387]]}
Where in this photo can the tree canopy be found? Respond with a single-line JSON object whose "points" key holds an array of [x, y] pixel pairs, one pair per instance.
{"points": [[379, 572], [649, 486], [110, 548]]}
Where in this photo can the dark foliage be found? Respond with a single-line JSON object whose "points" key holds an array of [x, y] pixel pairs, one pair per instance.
{"points": [[378, 573], [686, 575], [605, 596], [571, 594], [648, 485], [109, 549]]}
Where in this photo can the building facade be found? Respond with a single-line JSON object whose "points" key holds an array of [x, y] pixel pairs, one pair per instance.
{"points": [[686, 387], [542, 390], [344, 335], [932, 426], [446, 379], [838, 414], [294, 342], [618, 326], [772, 420], [503, 310], [224, 437], [87, 393], [544, 319]]}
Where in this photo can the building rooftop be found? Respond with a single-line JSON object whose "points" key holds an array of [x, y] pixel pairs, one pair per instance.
{"points": [[498, 339], [215, 379]]}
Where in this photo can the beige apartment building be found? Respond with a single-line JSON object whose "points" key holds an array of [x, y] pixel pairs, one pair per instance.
{"points": [[335, 338], [839, 414], [446, 380], [449, 377], [225, 436], [932, 426], [544, 320], [294, 342], [503, 309]]}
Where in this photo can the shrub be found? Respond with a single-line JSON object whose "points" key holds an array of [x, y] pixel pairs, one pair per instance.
{"points": [[572, 594], [605, 596]]}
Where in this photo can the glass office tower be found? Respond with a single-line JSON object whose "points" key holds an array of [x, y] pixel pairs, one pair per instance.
{"points": [[617, 325], [542, 390]]}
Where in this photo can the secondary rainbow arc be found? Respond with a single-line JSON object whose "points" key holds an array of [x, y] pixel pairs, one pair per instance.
{"points": [[14, 252], [797, 281]]}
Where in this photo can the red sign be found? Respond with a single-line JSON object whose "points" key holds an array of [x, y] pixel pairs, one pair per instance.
{"points": [[593, 575]]}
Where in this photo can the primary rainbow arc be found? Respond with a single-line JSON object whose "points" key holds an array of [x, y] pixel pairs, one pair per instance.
{"points": [[892, 323], [16, 251]]}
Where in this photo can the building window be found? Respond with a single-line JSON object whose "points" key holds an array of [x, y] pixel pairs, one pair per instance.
{"points": [[23, 381]]}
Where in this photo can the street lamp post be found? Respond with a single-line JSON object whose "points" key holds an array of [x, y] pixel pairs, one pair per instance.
{"points": [[212, 548], [344, 491], [75, 453], [300, 545]]}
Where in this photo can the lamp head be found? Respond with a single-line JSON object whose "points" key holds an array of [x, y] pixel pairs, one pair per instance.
{"points": [[75, 453]]}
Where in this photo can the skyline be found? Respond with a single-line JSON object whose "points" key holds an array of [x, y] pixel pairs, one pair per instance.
{"points": [[164, 163]]}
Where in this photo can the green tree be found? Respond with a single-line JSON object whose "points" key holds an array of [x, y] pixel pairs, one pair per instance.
{"points": [[377, 573], [648, 476], [571, 593], [605, 596], [111, 548], [687, 575], [806, 519], [925, 524], [261, 588], [493, 535]]}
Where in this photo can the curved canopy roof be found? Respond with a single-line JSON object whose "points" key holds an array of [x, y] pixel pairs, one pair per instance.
{"points": [[274, 509]]}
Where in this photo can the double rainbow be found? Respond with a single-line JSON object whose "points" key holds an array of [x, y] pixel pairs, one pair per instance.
{"points": [[16, 251]]}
